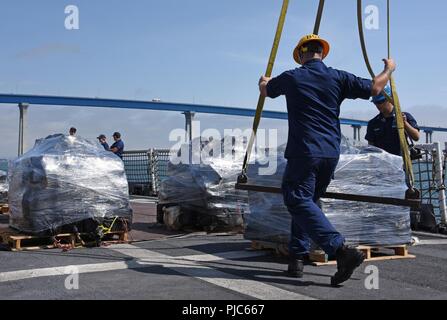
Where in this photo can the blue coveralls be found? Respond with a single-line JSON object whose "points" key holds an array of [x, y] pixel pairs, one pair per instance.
{"points": [[314, 94], [120, 146], [105, 145], [382, 132]]}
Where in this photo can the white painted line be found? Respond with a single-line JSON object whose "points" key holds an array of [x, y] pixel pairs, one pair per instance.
{"points": [[434, 235], [187, 265], [58, 271], [432, 242], [134, 252], [255, 289]]}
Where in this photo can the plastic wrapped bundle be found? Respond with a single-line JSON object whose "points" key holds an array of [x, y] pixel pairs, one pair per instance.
{"points": [[65, 181], [205, 193], [363, 171], [3, 187]]}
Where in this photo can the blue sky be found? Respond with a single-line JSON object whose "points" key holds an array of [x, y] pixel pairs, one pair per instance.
{"points": [[198, 51]]}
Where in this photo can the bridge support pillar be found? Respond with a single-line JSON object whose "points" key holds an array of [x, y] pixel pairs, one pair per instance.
{"points": [[23, 108], [429, 136], [189, 117], [357, 132]]}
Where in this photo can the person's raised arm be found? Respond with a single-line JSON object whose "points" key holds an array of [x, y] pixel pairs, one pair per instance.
{"points": [[263, 85], [381, 80]]}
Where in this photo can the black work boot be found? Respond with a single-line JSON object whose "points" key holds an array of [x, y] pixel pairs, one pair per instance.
{"points": [[295, 268], [348, 259]]}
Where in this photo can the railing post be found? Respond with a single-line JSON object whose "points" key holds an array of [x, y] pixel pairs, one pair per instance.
{"points": [[438, 163], [153, 166]]}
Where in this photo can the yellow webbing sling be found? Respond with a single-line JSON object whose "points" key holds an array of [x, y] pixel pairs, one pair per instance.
{"points": [[243, 177], [282, 18]]}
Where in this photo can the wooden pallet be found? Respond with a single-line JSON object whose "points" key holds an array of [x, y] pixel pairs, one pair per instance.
{"points": [[4, 209], [279, 248], [21, 242], [372, 253], [320, 258]]}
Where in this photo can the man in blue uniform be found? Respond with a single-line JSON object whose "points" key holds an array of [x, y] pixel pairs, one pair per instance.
{"points": [[314, 94], [118, 147], [382, 130]]}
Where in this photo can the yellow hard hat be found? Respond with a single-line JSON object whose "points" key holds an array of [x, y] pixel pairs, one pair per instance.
{"points": [[309, 38]]}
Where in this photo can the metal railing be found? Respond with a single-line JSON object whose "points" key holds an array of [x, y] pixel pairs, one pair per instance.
{"points": [[159, 160], [430, 178], [137, 167], [145, 170]]}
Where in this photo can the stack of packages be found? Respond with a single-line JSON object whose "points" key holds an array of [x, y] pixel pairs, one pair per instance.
{"points": [[203, 195], [66, 182], [3, 187], [362, 171]]}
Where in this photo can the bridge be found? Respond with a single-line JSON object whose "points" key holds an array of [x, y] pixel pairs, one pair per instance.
{"points": [[24, 101]]}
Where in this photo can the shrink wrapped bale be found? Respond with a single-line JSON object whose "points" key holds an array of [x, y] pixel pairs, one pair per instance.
{"points": [[205, 192], [65, 181], [364, 171]]}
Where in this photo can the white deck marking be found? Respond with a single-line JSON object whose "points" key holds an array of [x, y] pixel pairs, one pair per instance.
{"points": [[434, 235], [187, 265], [252, 288], [432, 242]]}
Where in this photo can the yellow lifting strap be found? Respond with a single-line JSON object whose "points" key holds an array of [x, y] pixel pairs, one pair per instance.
{"points": [[395, 97], [261, 100], [243, 177], [107, 230]]}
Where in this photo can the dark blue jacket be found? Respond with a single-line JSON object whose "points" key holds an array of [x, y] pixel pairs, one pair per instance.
{"points": [[120, 146], [382, 132], [314, 94]]}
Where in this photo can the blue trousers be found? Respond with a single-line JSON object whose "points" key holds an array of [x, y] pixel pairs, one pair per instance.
{"points": [[305, 181]]}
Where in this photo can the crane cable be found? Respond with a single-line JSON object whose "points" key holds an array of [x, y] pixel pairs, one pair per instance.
{"points": [[394, 99], [319, 15], [243, 177]]}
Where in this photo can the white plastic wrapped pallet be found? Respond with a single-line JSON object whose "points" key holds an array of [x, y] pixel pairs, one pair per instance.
{"points": [[3, 187], [205, 193], [65, 180], [363, 171]]}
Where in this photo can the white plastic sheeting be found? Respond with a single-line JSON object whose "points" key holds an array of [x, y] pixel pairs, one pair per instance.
{"points": [[362, 171], [65, 180]]}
